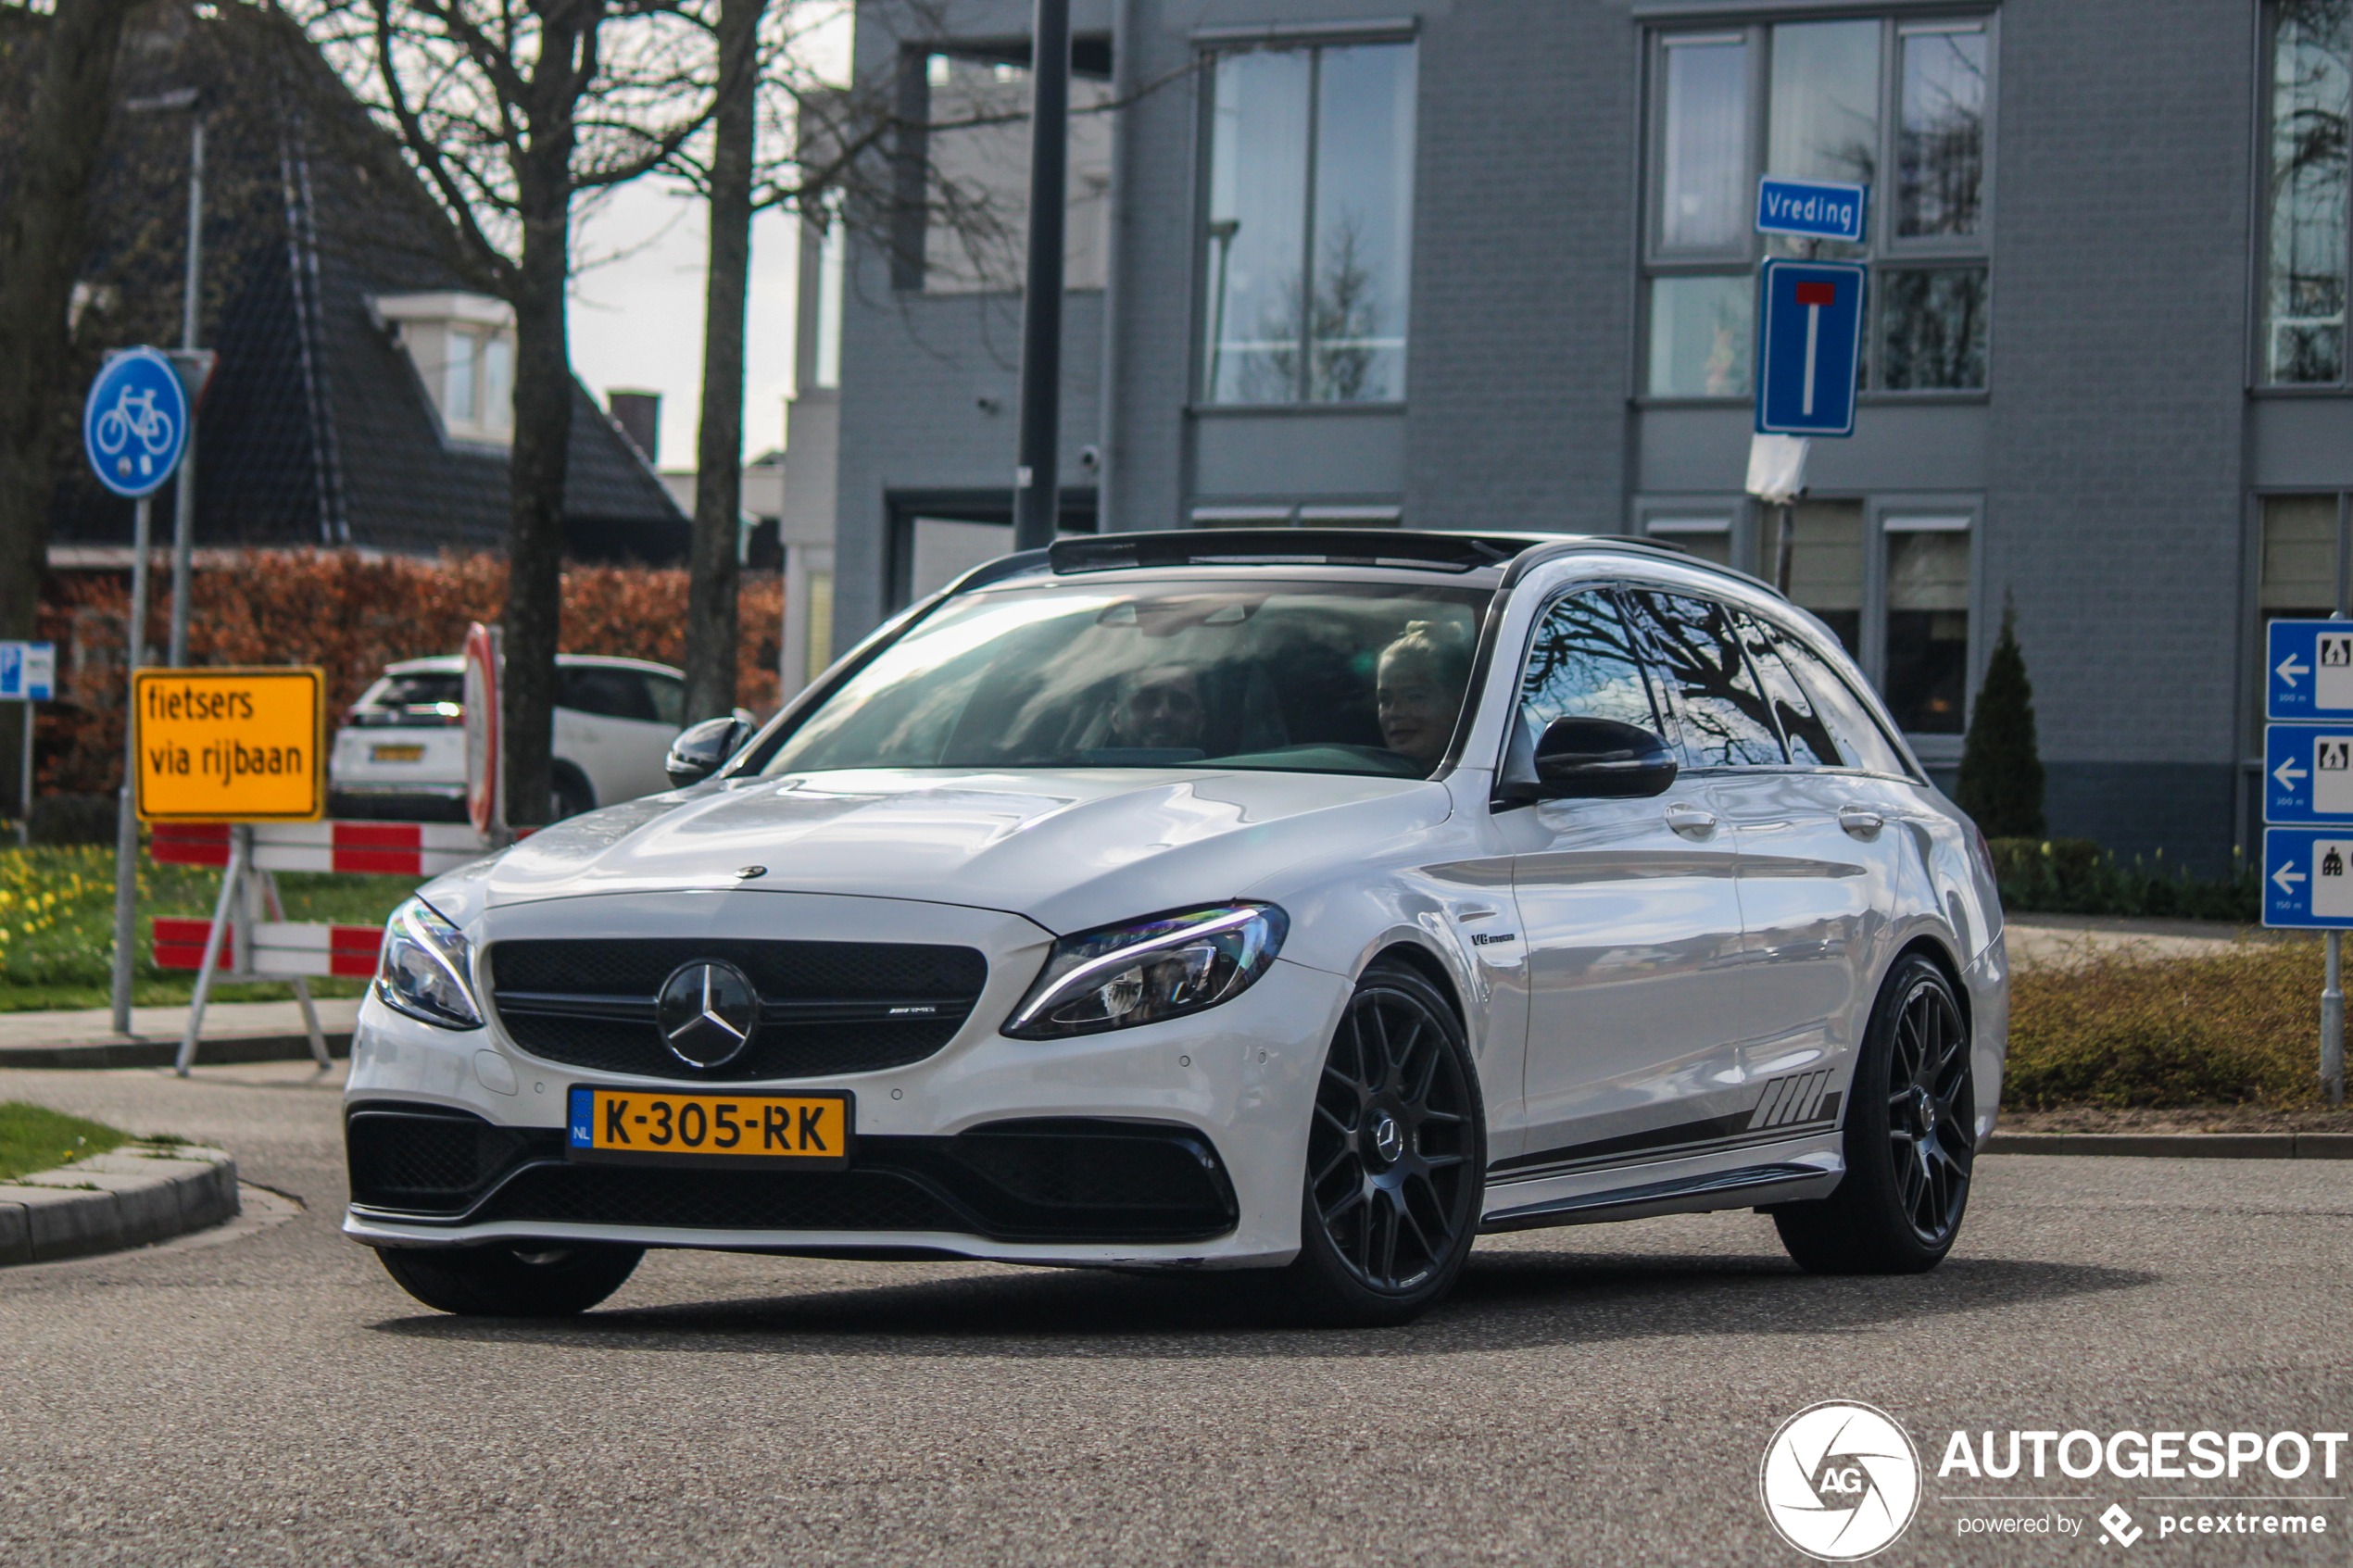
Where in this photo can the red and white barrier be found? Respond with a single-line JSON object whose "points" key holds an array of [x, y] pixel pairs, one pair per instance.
{"points": [[369, 848], [281, 948], [238, 944]]}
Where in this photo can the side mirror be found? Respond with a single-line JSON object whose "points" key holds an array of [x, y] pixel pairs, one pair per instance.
{"points": [[1601, 759], [700, 750]]}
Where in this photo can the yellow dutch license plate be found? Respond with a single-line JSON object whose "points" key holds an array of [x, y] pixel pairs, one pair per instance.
{"points": [[630, 1126], [397, 753]]}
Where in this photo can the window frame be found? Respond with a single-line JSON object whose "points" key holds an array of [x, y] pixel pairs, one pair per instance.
{"points": [[1884, 252], [2266, 24], [1208, 43]]}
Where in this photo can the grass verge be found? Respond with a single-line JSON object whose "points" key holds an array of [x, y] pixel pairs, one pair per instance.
{"points": [[2240, 1028], [33, 1137], [56, 924]]}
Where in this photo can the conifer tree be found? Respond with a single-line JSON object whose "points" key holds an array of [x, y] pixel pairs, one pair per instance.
{"points": [[2001, 784]]}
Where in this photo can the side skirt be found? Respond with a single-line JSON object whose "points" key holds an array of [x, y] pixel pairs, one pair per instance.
{"points": [[1741, 1188]]}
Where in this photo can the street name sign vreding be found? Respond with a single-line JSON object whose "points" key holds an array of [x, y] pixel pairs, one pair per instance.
{"points": [[232, 746], [1809, 341], [2308, 671], [28, 671], [134, 425], [1814, 209]]}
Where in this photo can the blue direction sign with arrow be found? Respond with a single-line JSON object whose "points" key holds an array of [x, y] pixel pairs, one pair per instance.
{"points": [[1810, 342], [2308, 669], [2307, 877], [135, 424], [2307, 774]]}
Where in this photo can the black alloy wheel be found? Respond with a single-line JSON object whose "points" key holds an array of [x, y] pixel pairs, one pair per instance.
{"points": [[512, 1279], [1396, 1157], [1911, 1139]]}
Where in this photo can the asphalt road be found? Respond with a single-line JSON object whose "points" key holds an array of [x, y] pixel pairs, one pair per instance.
{"points": [[1592, 1395]]}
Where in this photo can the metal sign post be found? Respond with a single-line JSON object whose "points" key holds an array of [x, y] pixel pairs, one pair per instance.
{"points": [[2307, 799], [135, 428], [28, 674], [1810, 342]]}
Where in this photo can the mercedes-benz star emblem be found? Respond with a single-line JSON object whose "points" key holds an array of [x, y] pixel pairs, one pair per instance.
{"points": [[706, 1012]]}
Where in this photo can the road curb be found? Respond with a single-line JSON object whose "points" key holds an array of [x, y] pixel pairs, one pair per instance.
{"points": [[2177, 1146], [137, 1196], [214, 1050]]}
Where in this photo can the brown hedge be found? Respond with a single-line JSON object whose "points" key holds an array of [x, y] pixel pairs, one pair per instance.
{"points": [[353, 613], [2236, 1028]]}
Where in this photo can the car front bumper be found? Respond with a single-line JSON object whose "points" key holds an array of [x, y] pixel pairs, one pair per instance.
{"points": [[1174, 1144]]}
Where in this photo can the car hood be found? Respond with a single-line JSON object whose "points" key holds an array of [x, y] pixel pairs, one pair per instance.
{"points": [[1069, 849]]}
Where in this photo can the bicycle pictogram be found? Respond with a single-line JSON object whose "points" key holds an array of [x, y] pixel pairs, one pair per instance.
{"points": [[135, 414]]}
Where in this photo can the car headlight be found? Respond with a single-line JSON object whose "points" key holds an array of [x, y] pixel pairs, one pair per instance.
{"points": [[423, 970], [1148, 969]]}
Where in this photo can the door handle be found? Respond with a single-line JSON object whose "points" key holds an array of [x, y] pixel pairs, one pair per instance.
{"points": [[1691, 821], [1860, 822]]}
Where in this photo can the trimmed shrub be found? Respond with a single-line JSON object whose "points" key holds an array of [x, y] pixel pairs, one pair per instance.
{"points": [[2001, 781]]}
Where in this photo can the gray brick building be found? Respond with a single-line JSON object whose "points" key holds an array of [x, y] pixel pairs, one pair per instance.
{"points": [[1488, 264]]}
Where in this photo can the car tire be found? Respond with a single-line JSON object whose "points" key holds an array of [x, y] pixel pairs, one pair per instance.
{"points": [[507, 1281], [1396, 1160], [569, 796], [1911, 1140]]}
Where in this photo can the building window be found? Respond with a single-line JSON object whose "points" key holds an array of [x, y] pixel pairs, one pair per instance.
{"points": [[2299, 557], [463, 348], [973, 141], [825, 370], [2312, 97], [1925, 664], [1897, 597], [1825, 573], [1307, 237], [1709, 538], [1899, 106]]}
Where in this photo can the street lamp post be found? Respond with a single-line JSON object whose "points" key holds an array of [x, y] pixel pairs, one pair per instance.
{"points": [[1037, 487], [183, 492]]}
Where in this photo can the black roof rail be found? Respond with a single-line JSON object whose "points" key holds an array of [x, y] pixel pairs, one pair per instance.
{"points": [[1331, 546], [1021, 563]]}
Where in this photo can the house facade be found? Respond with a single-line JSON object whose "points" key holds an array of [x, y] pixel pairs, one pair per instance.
{"points": [[1468, 266]]}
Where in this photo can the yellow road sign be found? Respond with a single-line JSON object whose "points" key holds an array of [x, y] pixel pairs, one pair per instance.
{"points": [[232, 746]]}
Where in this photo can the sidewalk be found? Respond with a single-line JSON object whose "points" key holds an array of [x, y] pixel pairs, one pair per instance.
{"points": [[2038, 941], [233, 1031]]}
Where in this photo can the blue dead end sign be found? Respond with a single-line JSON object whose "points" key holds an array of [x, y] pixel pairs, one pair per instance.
{"points": [[135, 424], [1809, 341]]}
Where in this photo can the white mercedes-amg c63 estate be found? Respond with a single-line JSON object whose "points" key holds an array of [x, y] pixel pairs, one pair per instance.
{"points": [[1310, 901]]}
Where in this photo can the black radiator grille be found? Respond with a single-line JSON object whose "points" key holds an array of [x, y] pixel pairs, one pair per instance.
{"points": [[1039, 1179], [826, 1007]]}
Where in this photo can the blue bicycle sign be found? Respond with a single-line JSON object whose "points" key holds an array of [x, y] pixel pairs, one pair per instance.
{"points": [[135, 424]]}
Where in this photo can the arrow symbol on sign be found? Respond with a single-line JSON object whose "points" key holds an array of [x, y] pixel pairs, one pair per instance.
{"points": [[2287, 876], [2290, 670], [2288, 773]]}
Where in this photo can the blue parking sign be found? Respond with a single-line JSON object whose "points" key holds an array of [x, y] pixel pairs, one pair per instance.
{"points": [[2307, 878], [2308, 670], [1809, 341]]}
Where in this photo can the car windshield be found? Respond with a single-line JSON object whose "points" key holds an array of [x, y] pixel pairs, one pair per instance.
{"points": [[1301, 677], [431, 699]]}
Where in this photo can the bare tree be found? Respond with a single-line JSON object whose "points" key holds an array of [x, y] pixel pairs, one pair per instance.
{"points": [[42, 231], [507, 113]]}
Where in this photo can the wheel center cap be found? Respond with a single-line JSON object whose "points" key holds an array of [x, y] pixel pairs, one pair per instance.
{"points": [[1925, 1109], [1388, 1138]]}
